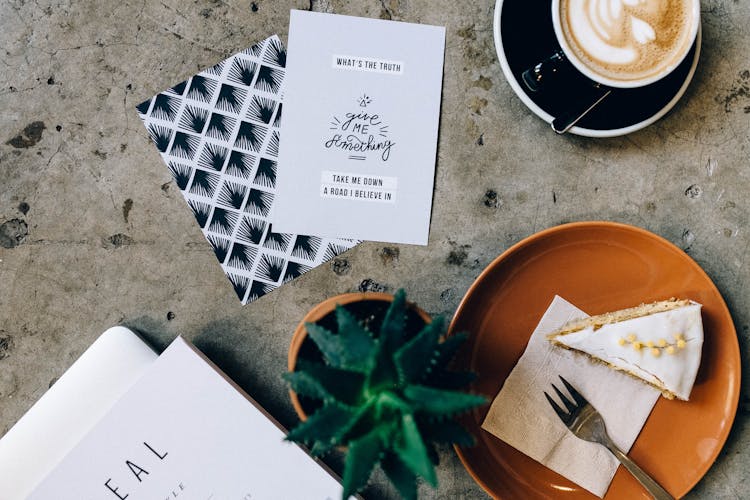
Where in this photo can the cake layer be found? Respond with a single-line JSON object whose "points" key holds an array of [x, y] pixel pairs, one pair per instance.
{"points": [[659, 343]]}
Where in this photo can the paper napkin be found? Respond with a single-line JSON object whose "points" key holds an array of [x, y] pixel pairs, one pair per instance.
{"points": [[218, 133], [521, 416]]}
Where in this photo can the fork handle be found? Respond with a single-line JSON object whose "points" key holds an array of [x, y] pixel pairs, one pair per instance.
{"points": [[647, 481]]}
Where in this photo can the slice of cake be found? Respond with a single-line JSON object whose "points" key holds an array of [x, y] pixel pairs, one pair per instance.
{"points": [[659, 343]]}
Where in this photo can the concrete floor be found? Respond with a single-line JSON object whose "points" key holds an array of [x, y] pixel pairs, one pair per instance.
{"points": [[94, 233]]}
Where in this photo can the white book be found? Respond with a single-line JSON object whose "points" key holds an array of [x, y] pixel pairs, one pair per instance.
{"points": [[185, 431], [70, 409]]}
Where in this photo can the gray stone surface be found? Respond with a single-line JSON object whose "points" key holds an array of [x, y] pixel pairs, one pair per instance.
{"points": [[94, 233]]}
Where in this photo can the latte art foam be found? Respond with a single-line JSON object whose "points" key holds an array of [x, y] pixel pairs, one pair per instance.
{"points": [[627, 39]]}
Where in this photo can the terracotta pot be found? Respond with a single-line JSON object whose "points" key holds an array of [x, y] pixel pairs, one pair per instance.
{"points": [[325, 308]]}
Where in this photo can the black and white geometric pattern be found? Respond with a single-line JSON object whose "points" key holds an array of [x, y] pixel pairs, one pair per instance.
{"points": [[218, 133]]}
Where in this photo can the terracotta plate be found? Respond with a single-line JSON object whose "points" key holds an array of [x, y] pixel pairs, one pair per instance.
{"points": [[599, 267]]}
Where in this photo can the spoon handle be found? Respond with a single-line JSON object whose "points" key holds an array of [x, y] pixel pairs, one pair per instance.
{"points": [[568, 119]]}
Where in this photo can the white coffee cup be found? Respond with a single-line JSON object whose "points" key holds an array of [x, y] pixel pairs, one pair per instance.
{"points": [[591, 26]]}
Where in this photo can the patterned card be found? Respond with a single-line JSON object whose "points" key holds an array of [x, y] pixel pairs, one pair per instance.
{"points": [[218, 133]]}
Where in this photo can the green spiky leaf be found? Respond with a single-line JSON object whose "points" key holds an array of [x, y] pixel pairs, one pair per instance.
{"points": [[305, 384], [413, 452], [389, 403], [441, 402], [413, 359], [384, 374], [392, 329], [441, 376], [329, 383], [364, 455], [319, 449], [399, 474], [352, 348], [361, 423], [325, 427], [448, 348]]}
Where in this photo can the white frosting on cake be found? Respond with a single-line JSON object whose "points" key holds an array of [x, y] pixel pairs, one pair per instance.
{"points": [[662, 348]]}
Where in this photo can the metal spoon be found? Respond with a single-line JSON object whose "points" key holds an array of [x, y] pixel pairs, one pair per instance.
{"points": [[557, 67], [569, 118]]}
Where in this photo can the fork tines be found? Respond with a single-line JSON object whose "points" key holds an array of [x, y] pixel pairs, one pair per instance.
{"points": [[573, 407]]}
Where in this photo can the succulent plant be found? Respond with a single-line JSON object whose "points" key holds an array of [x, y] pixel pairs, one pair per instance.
{"points": [[386, 396]]}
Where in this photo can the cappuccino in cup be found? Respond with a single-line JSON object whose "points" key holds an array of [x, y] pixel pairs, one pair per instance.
{"points": [[626, 43]]}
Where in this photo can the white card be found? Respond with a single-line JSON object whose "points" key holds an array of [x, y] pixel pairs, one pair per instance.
{"points": [[361, 113]]}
